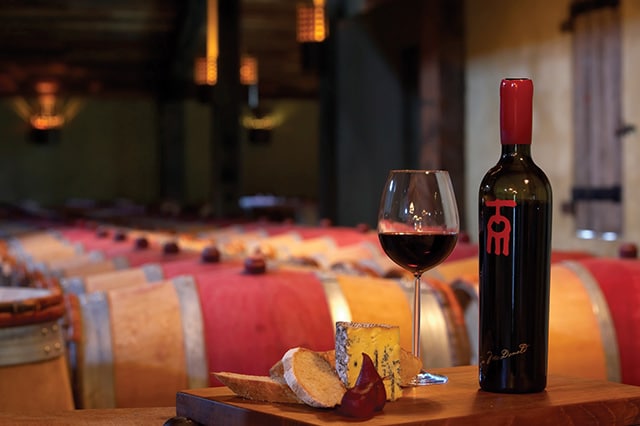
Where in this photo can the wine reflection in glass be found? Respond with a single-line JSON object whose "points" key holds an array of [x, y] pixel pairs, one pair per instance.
{"points": [[418, 227]]}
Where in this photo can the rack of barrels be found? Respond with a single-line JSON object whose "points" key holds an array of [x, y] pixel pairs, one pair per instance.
{"points": [[99, 316]]}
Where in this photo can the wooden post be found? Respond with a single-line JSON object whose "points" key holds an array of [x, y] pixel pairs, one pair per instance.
{"points": [[441, 91], [225, 115], [172, 91]]}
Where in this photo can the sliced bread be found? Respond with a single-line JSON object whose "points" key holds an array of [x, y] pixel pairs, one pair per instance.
{"points": [[258, 388], [410, 365], [276, 372], [312, 378]]}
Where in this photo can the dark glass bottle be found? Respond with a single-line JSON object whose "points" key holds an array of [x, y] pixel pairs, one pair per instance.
{"points": [[515, 255]]}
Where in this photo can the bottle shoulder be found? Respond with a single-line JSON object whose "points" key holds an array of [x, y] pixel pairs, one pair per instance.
{"points": [[516, 179]]}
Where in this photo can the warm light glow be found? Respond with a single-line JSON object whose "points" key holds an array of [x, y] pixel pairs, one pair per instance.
{"points": [[46, 122], [47, 110], [261, 123], [248, 70], [205, 71], [46, 87], [212, 42], [312, 25], [266, 122], [47, 116]]}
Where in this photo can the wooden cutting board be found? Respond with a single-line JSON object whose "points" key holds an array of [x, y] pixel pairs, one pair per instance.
{"points": [[567, 400]]}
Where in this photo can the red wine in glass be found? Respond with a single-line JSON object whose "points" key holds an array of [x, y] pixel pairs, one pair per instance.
{"points": [[418, 252]]}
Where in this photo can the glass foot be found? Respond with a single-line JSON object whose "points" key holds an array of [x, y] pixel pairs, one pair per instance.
{"points": [[423, 378]]}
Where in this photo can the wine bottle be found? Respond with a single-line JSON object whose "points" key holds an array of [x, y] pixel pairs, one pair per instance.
{"points": [[514, 255]]}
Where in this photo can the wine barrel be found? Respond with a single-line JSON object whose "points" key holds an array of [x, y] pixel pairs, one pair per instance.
{"points": [[38, 249], [149, 272], [619, 282], [593, 323], [33, 367], [136, 339], [466, 267], [124, 252], [363, 299], [111, 280], [139, 345], [443, 337], [92, 268], [463, 276]]}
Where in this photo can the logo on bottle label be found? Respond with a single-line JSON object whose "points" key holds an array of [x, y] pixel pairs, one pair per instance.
{"points": [[504, 354], [499, 228]]}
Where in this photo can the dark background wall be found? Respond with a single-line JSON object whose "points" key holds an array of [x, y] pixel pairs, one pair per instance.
{"points": [[110, 151], [389, 94], [399, 85]]}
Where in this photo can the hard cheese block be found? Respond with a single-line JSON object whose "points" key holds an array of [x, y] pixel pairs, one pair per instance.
{"points": [[382, 344]]}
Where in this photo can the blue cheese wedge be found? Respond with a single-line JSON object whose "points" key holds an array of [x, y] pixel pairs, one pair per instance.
{"points": [[380, 341]]}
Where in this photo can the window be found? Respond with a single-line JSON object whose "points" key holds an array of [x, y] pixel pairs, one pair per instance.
{"points": [[597, 118]]}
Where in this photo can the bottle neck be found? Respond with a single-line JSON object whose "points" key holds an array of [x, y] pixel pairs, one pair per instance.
{"points": [[519, 150]]}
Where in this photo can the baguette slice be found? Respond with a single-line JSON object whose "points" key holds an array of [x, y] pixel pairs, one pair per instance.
{"points": [[276, 372], [257, 388], [312, 378]]}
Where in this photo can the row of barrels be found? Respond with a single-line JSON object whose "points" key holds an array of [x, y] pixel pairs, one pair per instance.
{"points": [[145, 314]]}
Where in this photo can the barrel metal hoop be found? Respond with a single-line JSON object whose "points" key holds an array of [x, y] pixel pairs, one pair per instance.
{"points": [[73, 285], [120, 262], [153, 272], [338, 305], [97, 384], [605, 320], [96, 256], [31, 343], [193, 331]]}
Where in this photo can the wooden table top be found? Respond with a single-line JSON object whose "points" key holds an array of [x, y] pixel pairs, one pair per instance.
{"points": [[103, 417], [567, 400]]}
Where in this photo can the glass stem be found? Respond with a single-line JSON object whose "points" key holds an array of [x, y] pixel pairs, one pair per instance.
{"points": [[416, 316]]}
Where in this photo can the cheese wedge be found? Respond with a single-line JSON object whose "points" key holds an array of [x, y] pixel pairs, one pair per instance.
{"points": [[380, 341]]}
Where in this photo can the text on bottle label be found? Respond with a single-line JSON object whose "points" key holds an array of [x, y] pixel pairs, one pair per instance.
{"points": [[499, 228]]}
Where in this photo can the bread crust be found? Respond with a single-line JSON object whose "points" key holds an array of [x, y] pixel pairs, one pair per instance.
{"points": [[318, 386], [276, 372], [410, 365], [258, 388]]}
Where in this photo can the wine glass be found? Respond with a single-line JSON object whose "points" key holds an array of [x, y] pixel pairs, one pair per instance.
{"points": [[418, 228]]}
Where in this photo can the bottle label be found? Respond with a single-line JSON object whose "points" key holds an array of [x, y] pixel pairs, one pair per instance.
{"points": [[504, 354], [499, 228]]}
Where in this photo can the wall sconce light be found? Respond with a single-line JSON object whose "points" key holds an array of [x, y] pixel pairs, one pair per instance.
{"points": [[259, 123], [46, 116], [205, 71], [312, 30], [312, 25], [47, 112], [206, 68], [261, 120], [248, 70]]}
